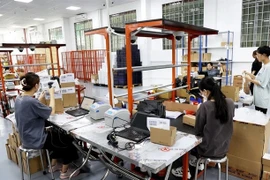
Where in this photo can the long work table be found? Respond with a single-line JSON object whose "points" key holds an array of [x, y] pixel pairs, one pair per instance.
{"points": [[149, 156]]}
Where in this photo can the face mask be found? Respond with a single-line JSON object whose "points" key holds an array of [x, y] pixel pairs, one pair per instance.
{"points": [[204, 98]]}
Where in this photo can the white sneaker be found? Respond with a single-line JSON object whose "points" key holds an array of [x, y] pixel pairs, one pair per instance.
{"points": [[193, 162], [178, 172]]}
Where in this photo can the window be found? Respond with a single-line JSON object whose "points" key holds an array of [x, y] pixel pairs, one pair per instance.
{"points": [[56, 34], [187, 11], [83, 42], [119, 20], [255, 23]]}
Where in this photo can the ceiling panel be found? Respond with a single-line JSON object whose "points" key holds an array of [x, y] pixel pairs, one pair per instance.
{"points": [[22, 14]]}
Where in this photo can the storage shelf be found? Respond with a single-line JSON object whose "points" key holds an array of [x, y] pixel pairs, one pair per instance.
{"points": [[11, 80], [210, 47], [214, 62]]}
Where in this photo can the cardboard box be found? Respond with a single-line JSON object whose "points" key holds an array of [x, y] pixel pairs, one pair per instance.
{"points": [[207, 57], [223, 44], [266, 168], [238, 81], [182, 93], [173, 106], [167, 95], [18, 139], [94, 78], [163, 137], [12, 141], [266, 175], [8, 151], [266, 160], [243, 168], [13, 154], [68, 90], [200, 76], [69, 94], [194, 56], [248, 145], [59, 106], [34, 164], [189, 120], [231, 92]]}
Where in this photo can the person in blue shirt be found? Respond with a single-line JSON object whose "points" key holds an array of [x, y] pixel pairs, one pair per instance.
{"points": [[211, 71], [31, 116]]}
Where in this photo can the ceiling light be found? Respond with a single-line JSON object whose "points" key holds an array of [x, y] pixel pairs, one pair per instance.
{"points": [[73, 8], [16, 26], [24, 1], [39, 19], [1, 15]]}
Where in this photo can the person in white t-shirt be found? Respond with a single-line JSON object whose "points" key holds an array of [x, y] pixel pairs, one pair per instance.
{"points": [[261, 81]]}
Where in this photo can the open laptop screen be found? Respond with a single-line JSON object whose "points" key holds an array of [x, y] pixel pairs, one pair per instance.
{"points": [[140, 120], [87, 102]]}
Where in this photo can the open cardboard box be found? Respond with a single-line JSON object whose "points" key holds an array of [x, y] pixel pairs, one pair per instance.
{"points": [[173, 106], [189, 120], [163, 137], [231, 92]]}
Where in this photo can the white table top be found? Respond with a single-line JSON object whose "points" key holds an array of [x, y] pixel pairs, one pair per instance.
{"points": [[151, 156]]}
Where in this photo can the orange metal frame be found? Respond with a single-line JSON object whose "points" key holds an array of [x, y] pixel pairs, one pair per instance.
{"points": [[103, 32], [131, 27], [15, 45]]}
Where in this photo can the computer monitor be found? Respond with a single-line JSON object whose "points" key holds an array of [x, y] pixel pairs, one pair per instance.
{"points": [[140, 120]]}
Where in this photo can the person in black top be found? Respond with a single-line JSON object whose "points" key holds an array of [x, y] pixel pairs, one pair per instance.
{"points": [[256, 66]]}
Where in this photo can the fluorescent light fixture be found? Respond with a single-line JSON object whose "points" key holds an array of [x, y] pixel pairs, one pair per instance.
{"points": [[1, 15], [16, 26], [73, 8], [24, 1], [39, 19]]}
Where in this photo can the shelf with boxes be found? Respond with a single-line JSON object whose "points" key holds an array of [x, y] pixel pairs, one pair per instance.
{"points": [[219, 52], [25, 64]]}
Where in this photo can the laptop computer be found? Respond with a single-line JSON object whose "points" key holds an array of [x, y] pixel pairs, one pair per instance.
{"points": [[83, 109], [138, 130]]}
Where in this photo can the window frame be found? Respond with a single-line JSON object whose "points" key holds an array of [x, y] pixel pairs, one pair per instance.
{"points": [[255, 23], [176, 11], [119, 20], [53, 33], [83, 42]]}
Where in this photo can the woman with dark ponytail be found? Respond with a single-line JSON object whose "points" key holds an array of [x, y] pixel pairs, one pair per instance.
{"points": [[214, 123]]}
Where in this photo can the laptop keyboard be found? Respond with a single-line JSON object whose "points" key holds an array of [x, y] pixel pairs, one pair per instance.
{"points": [[133, 134]]}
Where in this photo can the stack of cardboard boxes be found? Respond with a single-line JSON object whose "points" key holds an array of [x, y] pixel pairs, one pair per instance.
{"points": [[266, 167], [13, 143], [247, 147]]}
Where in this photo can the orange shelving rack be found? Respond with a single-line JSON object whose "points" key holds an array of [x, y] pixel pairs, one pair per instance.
{"points": [[164, 25], [31, 64]]}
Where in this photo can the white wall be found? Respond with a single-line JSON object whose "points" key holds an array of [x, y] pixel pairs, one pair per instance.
{"points": [[222, 15]]}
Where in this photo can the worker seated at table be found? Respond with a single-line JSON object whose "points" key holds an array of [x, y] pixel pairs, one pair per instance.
{"points": [[211, 71], [214, 123], [31, 116]]}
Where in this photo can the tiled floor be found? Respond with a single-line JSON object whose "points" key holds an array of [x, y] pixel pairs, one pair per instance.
{"points": [[10, 171]]}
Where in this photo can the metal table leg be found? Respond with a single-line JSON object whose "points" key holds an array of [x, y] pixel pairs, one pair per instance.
{"points": [[85, 161], [185, 167], [168, 172], [106, 174]]}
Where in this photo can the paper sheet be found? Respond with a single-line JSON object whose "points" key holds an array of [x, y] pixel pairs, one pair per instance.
{"points": [[67, 78], [158, 123], [173, 114]]}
